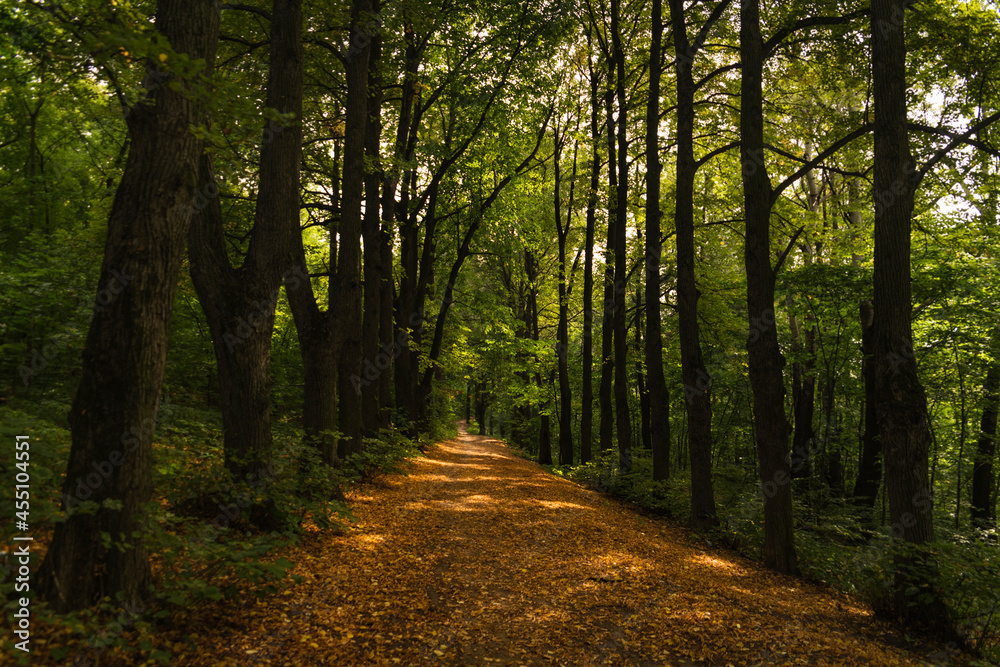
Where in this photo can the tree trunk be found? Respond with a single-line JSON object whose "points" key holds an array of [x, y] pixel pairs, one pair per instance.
{"points": [[33, 163], [319, 342], [693, 374], [803, 397], [349, 287], [870, 466], [901, 405], [375, 360], [640, 375], [983, 509], [113, 415], [866, 487], [622, 420], [765, 359], [604, 397], [481, 407], [659, 414], [544, 434], [562, 335], [587, 393], [239, 303]]}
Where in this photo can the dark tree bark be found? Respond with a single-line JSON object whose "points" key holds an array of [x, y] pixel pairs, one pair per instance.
{"points": [[638, 354], [374, 359], [531, 270], [239, 303], [983, 507], [659, 415], [693, 373], [562, 335], [319, 340], [33, 162], [803, 396], [901, 405], [349, 288], [587, 393], [481, 406], [604, 392], [113, 415], [622, 421], [765, 358], [870, 466]]}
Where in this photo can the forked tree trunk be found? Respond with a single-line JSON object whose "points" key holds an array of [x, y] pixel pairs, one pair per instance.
{"points": [[113, 415], [239, 303]]}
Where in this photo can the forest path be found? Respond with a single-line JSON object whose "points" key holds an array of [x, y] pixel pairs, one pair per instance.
{"points": [[479, 557]]}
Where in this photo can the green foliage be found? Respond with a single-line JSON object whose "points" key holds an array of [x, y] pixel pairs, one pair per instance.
{"points": [[636, 486], [381, 457]]}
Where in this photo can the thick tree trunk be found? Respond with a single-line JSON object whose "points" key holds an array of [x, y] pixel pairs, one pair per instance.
{"points": [[983, 508], [113, 415], [693, 373], [900, 401], [659, 413], [765, 358], [239, 303], [623, 422]]}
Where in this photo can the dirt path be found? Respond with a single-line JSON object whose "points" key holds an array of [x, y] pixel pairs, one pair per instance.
{"points": [[479, 557]]}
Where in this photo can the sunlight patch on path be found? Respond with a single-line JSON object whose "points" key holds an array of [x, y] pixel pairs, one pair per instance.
{"points": [[479, 557]]}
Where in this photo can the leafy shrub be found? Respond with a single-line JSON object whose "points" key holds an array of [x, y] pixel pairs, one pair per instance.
{"points": [[382, 456]]}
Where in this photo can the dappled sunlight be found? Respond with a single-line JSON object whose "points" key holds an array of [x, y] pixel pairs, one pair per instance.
{"points": [[717, 563], [369, 540], [555, 505], [481, 555]]}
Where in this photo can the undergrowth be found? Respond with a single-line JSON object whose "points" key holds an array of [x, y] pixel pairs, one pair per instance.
{"points": [[838, 543], [210, 537]]}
